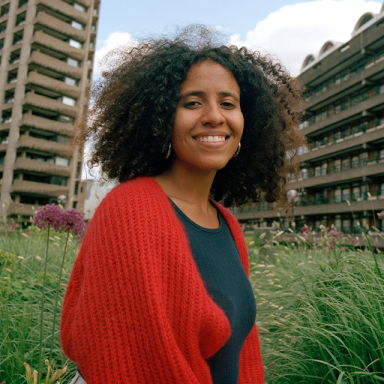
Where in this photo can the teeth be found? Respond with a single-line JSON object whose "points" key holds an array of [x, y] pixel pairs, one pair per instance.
{"points": [[211, 139]]}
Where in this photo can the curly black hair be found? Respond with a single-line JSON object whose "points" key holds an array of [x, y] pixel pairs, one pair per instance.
{"points": [[134, 103]]}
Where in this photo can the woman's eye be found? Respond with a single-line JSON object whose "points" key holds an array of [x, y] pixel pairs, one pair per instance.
{"points": [[191, 104], [228, 104]]}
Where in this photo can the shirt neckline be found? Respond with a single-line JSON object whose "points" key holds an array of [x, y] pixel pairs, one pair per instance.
{"points": [[209, 230]]}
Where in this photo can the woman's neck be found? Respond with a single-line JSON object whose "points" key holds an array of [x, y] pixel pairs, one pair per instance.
{"points": [[190, 190]]}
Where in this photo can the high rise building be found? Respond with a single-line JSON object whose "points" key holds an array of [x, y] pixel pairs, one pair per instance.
{"points": [[341, 181], [47, 50]]}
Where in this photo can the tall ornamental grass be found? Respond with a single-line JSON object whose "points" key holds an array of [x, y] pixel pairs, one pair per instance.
{"points": [[320, 312], [22, 267]]}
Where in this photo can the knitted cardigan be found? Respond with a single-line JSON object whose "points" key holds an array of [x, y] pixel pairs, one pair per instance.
{"points": [[136, 310]]}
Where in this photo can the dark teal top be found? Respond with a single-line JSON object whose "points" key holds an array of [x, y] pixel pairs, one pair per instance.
{"points": [[218, 261]]}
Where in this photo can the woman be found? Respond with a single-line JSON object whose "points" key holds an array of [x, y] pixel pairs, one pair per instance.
{"points": [[159, 292]]}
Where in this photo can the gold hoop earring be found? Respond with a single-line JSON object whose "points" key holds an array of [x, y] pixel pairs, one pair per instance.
{"points": [[238, 151], [169, 151]]}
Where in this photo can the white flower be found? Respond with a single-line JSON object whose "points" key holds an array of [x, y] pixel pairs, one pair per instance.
{"points": [[37, 257], [262, 235]]}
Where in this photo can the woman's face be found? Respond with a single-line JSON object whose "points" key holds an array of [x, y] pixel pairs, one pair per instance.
{"points": [[208, 122]]}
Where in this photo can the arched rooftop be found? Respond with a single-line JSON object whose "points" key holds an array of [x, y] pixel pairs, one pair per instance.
{"points": [[364, 19], [308, 60], [328, 45]]}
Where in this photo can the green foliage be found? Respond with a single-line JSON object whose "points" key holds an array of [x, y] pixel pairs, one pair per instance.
{"points": [[20, 302], [320, 315]]}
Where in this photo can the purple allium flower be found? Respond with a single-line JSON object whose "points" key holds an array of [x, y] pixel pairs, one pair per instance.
{"points": [[332, 232], [353, 240], [73, 221], [14, 226], [49, 215], [305, 230], [380, 214], [331, 246], [21, 205]]}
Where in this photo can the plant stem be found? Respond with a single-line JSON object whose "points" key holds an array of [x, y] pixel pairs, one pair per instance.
{"points": [[374, 256], [42, 310], [57, 298]]}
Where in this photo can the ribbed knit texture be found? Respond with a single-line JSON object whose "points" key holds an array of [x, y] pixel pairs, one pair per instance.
{"points": [[136, 310]]}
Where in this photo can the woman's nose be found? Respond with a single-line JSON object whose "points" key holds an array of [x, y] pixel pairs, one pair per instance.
{"points": [[212, 115]]}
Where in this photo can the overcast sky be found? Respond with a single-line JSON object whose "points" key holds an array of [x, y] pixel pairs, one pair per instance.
{"points": [[288, 29]]}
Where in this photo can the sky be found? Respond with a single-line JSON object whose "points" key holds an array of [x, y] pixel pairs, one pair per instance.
{"points": [[287, 29]]}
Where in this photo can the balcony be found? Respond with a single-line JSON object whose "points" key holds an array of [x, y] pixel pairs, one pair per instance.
{"points": [[338, 173], [60, 26], [55, 85], [23, 209], [51, 190], [65, 9], [86, 3], [57, 45], [57, 65], [345, 80], [30, 120], [44, 145], [42, 167], [49, 104], [356, 139], [363, 102], [319, 206]]}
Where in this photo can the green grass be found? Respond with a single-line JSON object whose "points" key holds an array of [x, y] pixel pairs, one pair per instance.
{"points": [[20, 301], [320, 312], [320, 315]]}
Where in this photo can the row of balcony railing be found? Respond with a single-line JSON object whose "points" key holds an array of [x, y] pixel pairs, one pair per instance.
{"points": [[335, 168], [345, 75], [303, 201], [342, 198], [334, 110], [347, 134]]}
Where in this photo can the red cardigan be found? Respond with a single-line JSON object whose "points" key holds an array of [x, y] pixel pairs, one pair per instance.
{"points": [[136, 310]]}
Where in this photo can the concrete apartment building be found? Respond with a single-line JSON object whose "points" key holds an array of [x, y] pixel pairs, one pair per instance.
{"points": [[343, 168], [47, 50]]}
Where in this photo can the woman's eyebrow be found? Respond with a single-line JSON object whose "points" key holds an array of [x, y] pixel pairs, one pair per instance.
{"points": [[200, 93]]}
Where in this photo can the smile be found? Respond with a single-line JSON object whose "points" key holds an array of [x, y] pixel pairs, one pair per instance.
{"points": [[210, 139]]}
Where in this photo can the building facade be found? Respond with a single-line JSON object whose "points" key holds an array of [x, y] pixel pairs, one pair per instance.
{"points": [[341, 181], [47, 50]]}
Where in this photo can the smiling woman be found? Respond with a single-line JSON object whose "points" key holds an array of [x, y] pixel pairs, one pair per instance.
{"points": [[160, 292]]}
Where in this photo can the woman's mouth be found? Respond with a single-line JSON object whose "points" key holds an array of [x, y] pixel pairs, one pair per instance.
{"points": [[210, 139]]}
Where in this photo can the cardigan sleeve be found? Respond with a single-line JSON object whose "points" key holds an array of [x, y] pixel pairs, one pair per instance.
{"points": [[136, 310]]}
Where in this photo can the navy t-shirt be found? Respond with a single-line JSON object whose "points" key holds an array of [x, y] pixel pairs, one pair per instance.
{"points": [[217, 259]]}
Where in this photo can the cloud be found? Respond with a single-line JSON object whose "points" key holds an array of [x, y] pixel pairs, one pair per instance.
{"points": [[294, 31], [114, 40]]}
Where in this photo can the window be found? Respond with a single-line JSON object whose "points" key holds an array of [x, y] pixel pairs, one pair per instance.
{"points": [[17, 37], [3, 26], [66, 119], [79, 7], [77, 25], [68, 101], [95, 11], [1, 44], [20, 18], [62, 161], [93, 28], [22, 3], [70, 81], [75, 44], [4, 10], [72, 62], [89, 63]]}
